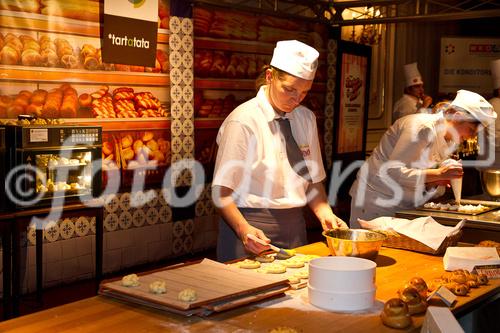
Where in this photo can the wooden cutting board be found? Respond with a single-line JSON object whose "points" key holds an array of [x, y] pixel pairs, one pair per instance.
{"points": [[218, 287]]}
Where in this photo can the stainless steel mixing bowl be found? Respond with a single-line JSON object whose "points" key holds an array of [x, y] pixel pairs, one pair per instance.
{"points": [[354, 242], [490, 179]]}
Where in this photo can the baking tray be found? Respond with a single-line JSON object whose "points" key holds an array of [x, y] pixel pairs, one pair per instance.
{"points": [[490, 204], [219, 287]]}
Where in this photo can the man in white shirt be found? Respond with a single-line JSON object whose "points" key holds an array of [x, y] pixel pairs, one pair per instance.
{"points": [[257, 186], [413, 100]]}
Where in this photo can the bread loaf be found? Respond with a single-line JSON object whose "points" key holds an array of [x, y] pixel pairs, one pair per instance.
{"points": [[53, 104], [38, 96], [69, 106], [30, 6]]}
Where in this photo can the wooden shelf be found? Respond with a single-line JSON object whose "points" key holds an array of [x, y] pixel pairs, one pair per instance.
{"points": [[40, 74], [55, 24], [123, 124], [208, 122], [240, 84], [233, 45]]}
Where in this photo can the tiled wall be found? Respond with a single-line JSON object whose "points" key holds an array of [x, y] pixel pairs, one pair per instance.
{"points": [[132, 236]]}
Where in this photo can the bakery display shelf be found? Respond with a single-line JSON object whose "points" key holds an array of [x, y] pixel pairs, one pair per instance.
{"points": [[123, 124], [41, 74], [233, 45], [240, 84], [246, 46], [208, 122], [40, 22]]}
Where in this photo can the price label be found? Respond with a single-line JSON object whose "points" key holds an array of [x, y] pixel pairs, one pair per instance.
{"points": [[39, 135], [491, 271], [445, 295]]}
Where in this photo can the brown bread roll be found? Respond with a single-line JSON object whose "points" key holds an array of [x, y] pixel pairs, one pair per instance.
{"points": [[85, 100], [127, 141], [107, 148], [31, 57], [35, 109], [395, 314], [9, 56], [413, 300]]}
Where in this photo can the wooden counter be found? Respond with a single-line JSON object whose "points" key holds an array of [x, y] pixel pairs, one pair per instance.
{"points": [[101, 314]]}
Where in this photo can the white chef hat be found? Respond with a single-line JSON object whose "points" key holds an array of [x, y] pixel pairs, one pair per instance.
{"points": [[412, 75], [476, 105], [495, 73], [295, 58]]}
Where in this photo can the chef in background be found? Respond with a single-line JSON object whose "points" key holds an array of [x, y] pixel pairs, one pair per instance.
{"points": [[413, 100], [406, 168], [269, 161]]}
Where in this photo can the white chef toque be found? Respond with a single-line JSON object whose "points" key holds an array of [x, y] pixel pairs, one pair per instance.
{"points": [[295, 58], [476, 105], [412, 75], [495, 73]]}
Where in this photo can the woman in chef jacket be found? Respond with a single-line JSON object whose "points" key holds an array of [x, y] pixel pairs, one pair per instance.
{"points": [[269, 161], [406, 169], [413, 100]]}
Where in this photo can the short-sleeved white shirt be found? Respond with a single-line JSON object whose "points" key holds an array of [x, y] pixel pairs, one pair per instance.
{"points": [[252, 160]]}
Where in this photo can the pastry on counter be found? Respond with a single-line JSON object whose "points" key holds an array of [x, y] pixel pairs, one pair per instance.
{"points": [[412, 298], [395, 314], [131, 280], [187, 295]]}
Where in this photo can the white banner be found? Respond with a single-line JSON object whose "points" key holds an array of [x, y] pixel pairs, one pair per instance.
{"points": [[465, 64], [146, 10]]}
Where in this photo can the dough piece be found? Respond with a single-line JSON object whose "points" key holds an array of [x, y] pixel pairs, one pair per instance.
{"points": [[293, 279], [273, 269], [293, 263], [158, 287], [187, 295], [131, 280], [249, 264], [265, 258], [283, 329], [302, 274]]}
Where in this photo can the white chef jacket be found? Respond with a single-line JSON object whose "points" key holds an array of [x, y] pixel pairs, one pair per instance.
{"points": [[252, 160], [411, 144], [495, 102], [406, 105]]}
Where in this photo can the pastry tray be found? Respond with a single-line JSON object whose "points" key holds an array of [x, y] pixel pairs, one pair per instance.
{"points": [[219, 287], [489, 204]]}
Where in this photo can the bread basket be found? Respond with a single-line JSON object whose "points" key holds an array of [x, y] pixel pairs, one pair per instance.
{"points": [[400, 241]]}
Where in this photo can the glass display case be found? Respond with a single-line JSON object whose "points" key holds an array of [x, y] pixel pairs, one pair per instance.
{"points": [[46, 162]]}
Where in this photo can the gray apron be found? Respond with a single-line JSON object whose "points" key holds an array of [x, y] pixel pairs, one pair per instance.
{"points": [[285, 227]]}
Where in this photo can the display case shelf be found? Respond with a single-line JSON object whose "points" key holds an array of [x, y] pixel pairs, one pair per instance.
{"points": [[123, 124], [54, 24], [31, 74]]}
